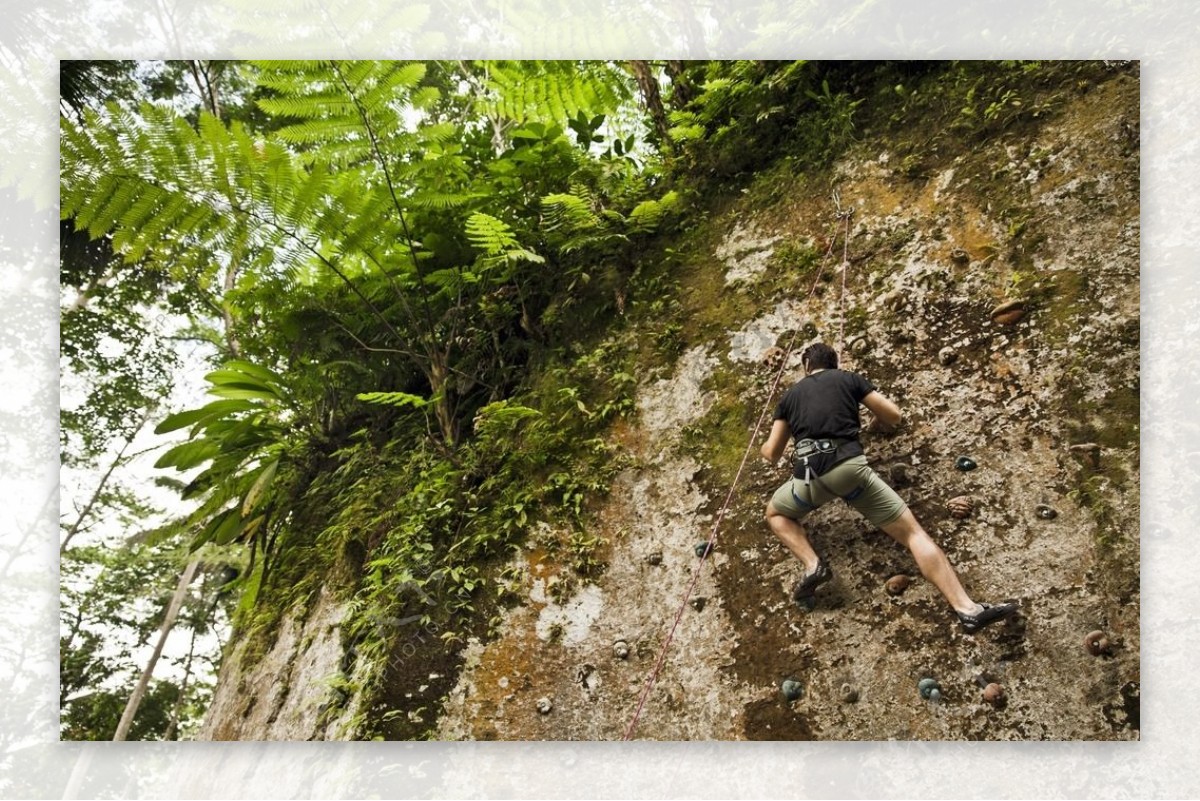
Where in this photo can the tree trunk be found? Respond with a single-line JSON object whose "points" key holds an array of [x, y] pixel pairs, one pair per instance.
{"points": [[139, 692], [439, 372], [173, 726], [682, 90], [235, 347], [652, 97]]}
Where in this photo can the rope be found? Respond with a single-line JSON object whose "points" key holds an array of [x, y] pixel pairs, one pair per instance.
{"points": [[712, 537], [845, 269]]}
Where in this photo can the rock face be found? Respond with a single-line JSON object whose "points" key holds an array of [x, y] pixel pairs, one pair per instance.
{"points": [[930, 263], [971, 384], [283, 695], [662, 512]]}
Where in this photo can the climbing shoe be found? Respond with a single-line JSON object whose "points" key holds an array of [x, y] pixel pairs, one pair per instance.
{"points": [[990, 614], [806, 586]]}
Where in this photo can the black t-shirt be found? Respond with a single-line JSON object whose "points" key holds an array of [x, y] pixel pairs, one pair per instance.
{"points": [[825, 405]]}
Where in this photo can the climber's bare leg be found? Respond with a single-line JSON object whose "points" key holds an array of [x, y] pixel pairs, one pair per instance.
{"points": [[792, 534], [931, 560]]}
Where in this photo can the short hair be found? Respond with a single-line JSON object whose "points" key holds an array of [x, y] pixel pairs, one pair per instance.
{"points": [[819, 356]]}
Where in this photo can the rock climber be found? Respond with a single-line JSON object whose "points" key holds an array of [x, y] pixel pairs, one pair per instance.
{"points": [[821, 411]]}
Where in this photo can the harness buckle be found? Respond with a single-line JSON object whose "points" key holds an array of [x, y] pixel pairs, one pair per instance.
{"points": [[807, 447]]}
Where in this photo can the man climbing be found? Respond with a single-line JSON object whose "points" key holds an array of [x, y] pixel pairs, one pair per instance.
{"points": [[821, 412]]}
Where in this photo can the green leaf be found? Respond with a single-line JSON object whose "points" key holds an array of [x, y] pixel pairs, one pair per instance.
{"points": [[229, 529], [250, 591], [238, 378], [261, 485], [243, 393], [253, 526], [188, 455], [253, 370], [184, 419], [215, 525]]}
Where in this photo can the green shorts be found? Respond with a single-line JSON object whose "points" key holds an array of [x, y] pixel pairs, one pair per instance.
{"points": [[852, 481]]}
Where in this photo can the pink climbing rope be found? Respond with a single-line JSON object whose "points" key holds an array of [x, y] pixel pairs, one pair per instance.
{"points": [[712, 537], [845, 269]]}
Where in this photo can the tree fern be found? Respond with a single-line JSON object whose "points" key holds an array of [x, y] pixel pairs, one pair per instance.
{"points": [[362, 171]]}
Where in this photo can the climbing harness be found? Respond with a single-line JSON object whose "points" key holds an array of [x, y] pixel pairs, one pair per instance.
{"points": [[843, 216], [805, 450]]}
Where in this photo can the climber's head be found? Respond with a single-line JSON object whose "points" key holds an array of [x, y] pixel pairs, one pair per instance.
{"points": [[819, 356]]}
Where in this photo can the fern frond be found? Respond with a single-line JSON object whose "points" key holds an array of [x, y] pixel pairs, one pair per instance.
{"points": [[554, 91], [334, 103], [496, 240], [649, 215], [443, 201], [570, 214], [396, 81], [398, 399], [573, 224], [489, 234]]}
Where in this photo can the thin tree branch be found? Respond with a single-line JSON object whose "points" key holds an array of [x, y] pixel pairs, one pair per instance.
{"points": [[95, 497], [387, 175]]}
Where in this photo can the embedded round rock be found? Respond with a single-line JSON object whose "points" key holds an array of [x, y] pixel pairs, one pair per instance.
{"points": [[1046, 512], [929, 689], [965, 463], [961, 507], [654, 558], [849, 694], [994, 694], [772, 358], [1097, 643], [698, 603], [960, 256], [1009, 313], [900, 475], [544, 705], [791, 689], [897, 584], [621, 649], [947, 356], [702, 549]]}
